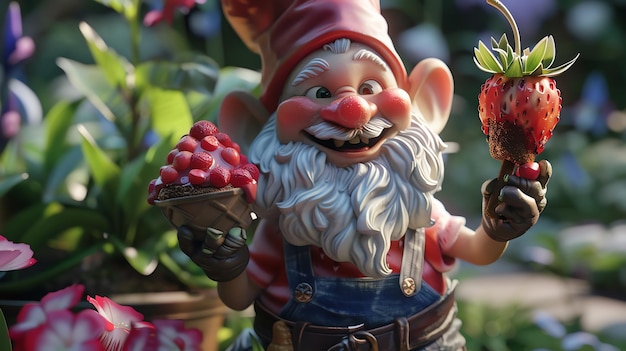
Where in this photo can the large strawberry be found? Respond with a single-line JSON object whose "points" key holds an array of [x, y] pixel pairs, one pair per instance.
{"points": [[519, 105]]}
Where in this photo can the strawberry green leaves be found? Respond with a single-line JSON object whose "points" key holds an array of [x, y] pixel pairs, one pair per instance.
{"points": [[536, 62], [512, 62]]}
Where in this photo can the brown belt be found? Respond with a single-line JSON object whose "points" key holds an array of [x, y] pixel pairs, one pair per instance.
{"points": [[403, 334]]}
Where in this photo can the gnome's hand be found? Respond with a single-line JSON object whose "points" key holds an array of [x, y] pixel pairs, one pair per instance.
{"points": [[221, 257], [521, 202]]}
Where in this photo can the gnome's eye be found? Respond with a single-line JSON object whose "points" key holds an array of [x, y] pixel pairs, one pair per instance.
{"points": [[370, 87], [318, 93]]}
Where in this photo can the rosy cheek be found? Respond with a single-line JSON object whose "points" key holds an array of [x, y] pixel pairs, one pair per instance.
{"points": [[293, 115], [395, 105]]}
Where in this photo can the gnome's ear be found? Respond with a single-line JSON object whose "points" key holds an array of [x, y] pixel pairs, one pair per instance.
{"points": [[242, 116], [431, 89]]}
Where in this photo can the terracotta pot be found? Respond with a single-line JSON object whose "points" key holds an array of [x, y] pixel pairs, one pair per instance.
{"points": [[203, 310]]}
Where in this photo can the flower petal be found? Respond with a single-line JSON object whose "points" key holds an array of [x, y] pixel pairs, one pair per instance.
{"points": [[63, 299], [14, 255]]}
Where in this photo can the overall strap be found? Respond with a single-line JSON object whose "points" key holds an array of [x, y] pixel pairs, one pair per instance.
{"points": [[299, 271], [412, 261]]}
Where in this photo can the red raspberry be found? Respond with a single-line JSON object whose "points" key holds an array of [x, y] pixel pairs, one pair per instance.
{"points": [[235, 146], [219, 177], [224, 139], [240, 177], [201, 160], [169, 174], [231, 156], [254, 171], [170, 156], [198, 177], [209, 143], [182, 160], [202, 128], [187, 143]]}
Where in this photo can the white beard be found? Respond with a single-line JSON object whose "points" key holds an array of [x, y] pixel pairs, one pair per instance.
{"points": [[353, 213]]}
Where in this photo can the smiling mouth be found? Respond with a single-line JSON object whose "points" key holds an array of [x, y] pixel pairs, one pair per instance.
{"points": [[358, 143]]}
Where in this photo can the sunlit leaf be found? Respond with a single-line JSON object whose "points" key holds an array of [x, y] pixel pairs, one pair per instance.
{"points": [[91, 81], [116, 68], [143, 260], [103, 170], [56, 124], [169, 113], [58, 176]]}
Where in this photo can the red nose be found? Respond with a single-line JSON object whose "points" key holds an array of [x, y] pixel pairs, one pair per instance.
{"points": [[351, 112]]}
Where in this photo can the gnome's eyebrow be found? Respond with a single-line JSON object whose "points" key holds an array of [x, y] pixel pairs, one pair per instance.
{"points": [[314, 68], [368, 55]]}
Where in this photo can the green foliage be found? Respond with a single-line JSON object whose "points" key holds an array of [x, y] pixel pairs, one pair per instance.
{"points": [[83, 174], [5, 341]]}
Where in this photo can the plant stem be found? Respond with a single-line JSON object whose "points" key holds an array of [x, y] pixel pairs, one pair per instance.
{"points": [[509, 17]]}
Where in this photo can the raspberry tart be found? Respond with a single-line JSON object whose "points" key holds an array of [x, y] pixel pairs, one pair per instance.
{"points": [[206, 183]]}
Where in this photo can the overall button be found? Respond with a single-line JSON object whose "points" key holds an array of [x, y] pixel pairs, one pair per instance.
{"points": [[303, 292]]}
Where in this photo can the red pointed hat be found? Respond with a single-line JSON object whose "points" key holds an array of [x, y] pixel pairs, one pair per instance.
{"points": [[283, 32]]}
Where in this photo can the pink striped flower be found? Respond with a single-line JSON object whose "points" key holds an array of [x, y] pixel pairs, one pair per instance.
{"points": [[66, 331], [118, 322], [15, 256]]}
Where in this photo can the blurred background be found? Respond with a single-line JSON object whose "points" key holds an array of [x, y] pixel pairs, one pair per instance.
{"points": [[581, 234]]}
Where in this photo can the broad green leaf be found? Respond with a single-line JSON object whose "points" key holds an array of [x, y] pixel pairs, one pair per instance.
{"points": [[136, 176], [91, 81], [5, 340], [184, 73], [56, 124], [7, 182], [20, 223], [535, 58], [53, 225], [169, 112], [143, 260], [115, 67], [104, 171], [58, 179]]}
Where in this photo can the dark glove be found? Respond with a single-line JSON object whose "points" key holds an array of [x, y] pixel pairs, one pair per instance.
{"points": [[520, 203], [221, 257]]}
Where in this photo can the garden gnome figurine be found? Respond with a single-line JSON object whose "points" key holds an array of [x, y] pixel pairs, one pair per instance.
{"points": [[352, 247]]}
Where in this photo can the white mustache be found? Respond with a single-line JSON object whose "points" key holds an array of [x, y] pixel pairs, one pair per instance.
{"points": [[326, 130]]}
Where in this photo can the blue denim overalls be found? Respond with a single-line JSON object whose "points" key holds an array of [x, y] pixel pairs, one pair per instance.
{"points": [[346, 301]]}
